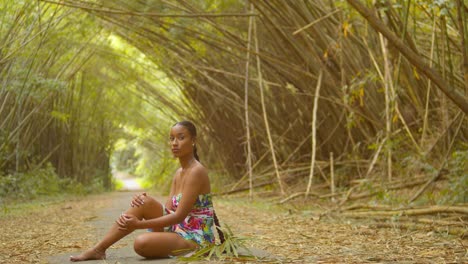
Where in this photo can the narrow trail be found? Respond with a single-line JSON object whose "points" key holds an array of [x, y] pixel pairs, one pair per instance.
{"points": [[122, 251], [51, 232], [129, 182]]}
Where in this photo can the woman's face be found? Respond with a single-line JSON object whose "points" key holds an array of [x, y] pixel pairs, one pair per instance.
{"points": [[181, 141]]}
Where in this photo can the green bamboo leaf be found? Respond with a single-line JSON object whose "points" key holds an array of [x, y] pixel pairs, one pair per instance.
{"points": [[235, 250]]}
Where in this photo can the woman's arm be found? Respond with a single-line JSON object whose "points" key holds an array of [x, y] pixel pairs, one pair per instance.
{"points": [[193, 185]]}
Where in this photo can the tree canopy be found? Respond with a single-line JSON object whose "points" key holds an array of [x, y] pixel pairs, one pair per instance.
{"points": [[277, 89]]}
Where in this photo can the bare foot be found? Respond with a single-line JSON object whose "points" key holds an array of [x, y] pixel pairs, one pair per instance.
{"points": [[89, 254]]}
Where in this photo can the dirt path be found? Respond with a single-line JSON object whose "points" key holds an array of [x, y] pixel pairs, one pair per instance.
{"points": [[121, 252], [50, 233]]}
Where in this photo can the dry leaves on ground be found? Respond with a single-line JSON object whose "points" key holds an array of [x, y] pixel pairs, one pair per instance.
{"points": [[290, 237], [300, 238], [48, 229]]}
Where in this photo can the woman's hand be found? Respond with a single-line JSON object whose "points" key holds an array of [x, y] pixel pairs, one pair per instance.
{"points": [[138, 200], [127, 222]]}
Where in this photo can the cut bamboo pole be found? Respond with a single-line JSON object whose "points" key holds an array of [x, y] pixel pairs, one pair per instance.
{"points": [[314, 131]]}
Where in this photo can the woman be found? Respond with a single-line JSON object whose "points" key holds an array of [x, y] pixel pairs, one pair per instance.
{"points": [[188, 214]]}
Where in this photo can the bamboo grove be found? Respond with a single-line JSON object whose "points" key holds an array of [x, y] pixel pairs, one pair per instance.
{"points": [[283, 92]]}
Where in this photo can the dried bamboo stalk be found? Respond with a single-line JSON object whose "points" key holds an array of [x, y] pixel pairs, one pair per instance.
{"points": [[246, 107], [314, 131], [146, 14], [460, 232], [463, 31], [389, 105], [412, 212], [429, 86], [265, 116], [432, 74], [332, 176]]}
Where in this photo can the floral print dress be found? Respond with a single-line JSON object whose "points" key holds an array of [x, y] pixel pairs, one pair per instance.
{"points": [[197, 226]]}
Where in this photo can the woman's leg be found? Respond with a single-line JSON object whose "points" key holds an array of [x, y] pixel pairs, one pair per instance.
{"points": [[149, 210], [162, 245]]}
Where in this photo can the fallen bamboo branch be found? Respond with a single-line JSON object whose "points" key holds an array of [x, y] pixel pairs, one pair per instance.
{"points": [[437, 176], [348, 193], [366, 206], [440, 222], [412, 212], [456, 231], [395, 187], [350, 196], [433, 179], [447, 221], [297, 195]]}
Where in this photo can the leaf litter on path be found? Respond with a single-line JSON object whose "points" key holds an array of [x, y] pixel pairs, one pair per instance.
{"points": [[290, 237], [303, 238]]}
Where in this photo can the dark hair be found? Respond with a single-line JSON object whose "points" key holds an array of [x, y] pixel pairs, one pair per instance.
{"points": [[218, 228], [193, 132]]}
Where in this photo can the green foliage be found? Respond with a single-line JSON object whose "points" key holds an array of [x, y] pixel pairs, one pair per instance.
{"points": [[42, 182], [411, 165], [457, 191]]}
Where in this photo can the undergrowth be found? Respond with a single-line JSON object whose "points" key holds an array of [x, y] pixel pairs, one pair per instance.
{"points": [[40, 186]]}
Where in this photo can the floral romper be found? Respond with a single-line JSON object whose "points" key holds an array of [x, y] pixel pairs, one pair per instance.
{"points": [[197, 226]]}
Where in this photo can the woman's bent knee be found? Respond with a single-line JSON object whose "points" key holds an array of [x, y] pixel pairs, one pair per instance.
{"points": [[151, 208], [141, 246]]}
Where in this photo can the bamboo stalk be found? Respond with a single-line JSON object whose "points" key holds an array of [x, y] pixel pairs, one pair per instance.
{"points": [[429, 82], [463, 31], [389, 105], [440, 171], [460, 100], [146, 14], [444, 115], [246, 107], [257, 162], [315, 22], [332, 176], [375, 158], [314, 132], [265, 116]]}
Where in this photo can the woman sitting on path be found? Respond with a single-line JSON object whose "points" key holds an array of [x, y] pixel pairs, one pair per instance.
{"points": [[188, 213]]}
